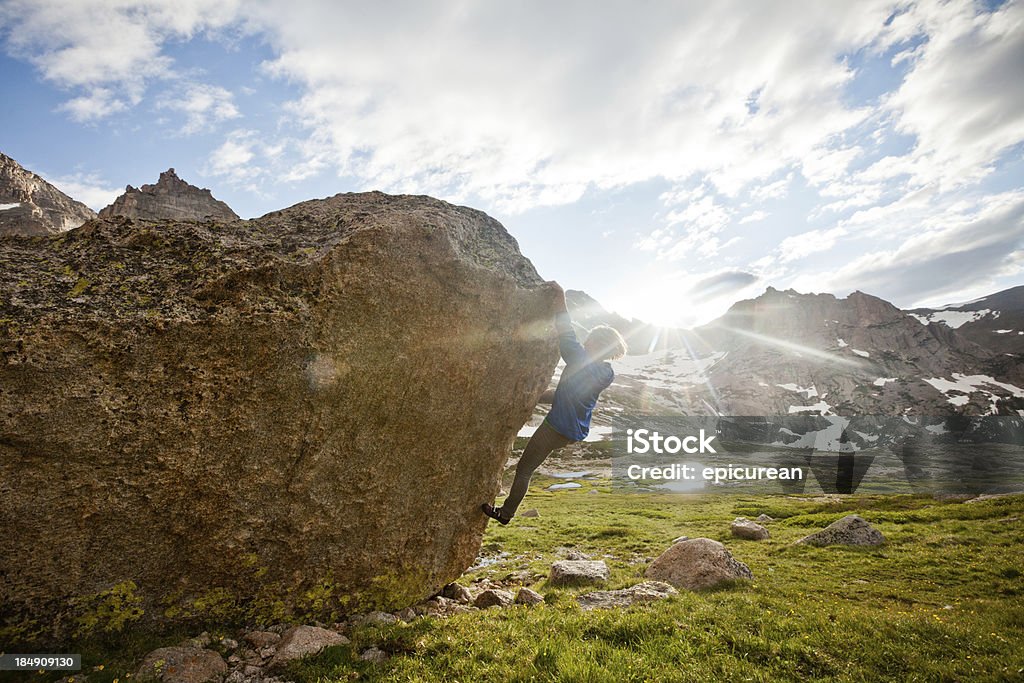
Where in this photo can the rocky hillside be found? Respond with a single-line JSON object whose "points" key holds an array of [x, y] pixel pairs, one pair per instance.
{"points": [[788, 353], [170, 198], [296, 414], [31, 206], [995, 322]]}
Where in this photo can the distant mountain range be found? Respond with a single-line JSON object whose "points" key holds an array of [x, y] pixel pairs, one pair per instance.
{"points": [[31, 206], [787, 353], [782, 353]]}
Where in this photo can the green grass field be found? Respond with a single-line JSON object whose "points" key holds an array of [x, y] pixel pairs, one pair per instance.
{"points": [[942, 600]]}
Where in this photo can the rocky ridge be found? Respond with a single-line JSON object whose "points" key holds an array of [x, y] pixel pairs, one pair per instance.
{"points": [[170, 198], [31, 206]]}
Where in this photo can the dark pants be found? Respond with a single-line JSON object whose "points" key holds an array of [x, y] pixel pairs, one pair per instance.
{"points": [[543, 441]]}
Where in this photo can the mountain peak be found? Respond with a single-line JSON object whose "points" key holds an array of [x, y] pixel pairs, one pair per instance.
{"points": [[169, 198], [31, 206]]}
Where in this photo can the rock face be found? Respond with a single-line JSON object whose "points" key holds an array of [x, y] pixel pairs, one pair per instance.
{"points": [[648, 591], [742, 527], [697, 564], [31, 206], [578, 572], [170, 198], [295, 414], [850, 530]]}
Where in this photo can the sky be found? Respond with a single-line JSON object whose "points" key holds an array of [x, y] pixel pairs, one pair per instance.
{"points": [[668, 158]]}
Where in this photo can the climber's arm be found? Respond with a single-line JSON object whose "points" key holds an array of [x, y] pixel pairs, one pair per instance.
{"points": [[568, 345]]}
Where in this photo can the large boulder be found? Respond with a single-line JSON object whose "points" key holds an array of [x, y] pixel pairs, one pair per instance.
{"points": [[850, 530], [297, 414], [697, 564]]}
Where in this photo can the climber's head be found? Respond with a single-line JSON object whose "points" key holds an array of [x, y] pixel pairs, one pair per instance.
{"points": [[605, 343]]}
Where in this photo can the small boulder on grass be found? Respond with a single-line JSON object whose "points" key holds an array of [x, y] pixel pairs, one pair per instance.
{"points": [[493, 597], [742, 527], [764, 519], [299, 641], [648, 591], [182, 665], [850, 530], [578, 572], [529, 597], [697, 564], [458, 593]]}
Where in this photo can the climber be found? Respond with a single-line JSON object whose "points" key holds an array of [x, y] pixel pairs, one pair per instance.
{"points": [[585, 376]]}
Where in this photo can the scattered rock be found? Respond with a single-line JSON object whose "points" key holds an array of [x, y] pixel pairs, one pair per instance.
{"points": [[578, 572], [647, 591], [532, 512], [850, 530], [572, 554], [407, 614], [458, 593], [374, 619], [229, 644], [182, 665], [526, 596], [493, 597], [593, 491], [299, 641], [374, 655], [764, 519], [680, 539], [261, 639], [697, 564], [742, 527], [993, 496]]}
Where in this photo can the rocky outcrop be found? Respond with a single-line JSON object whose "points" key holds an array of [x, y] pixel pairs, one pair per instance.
{"points": [[697, 564], [291, 415], [850, 530], [170, 198], [31, 206]]}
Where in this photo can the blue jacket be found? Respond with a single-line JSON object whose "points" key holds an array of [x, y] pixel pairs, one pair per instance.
{"points": [[582, 381]]}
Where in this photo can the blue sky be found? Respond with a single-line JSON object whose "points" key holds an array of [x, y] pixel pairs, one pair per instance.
{"points": [[669, 158]]}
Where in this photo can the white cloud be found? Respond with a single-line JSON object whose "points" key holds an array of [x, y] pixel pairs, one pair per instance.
{"points": [[754, 217], [88, 188], [98, 104], [202, 104], [796, 247], [962, 246], [107, 49]]}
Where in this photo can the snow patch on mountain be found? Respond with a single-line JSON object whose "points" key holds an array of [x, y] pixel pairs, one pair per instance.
{"points": [[667, 369], [959, 389], [5, 207], [808, 392], [821, 407], [953, 318], [881, 381], [862, 354]]}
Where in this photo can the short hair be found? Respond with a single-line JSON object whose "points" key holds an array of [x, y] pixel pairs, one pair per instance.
{"points": [[605, 343]]}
